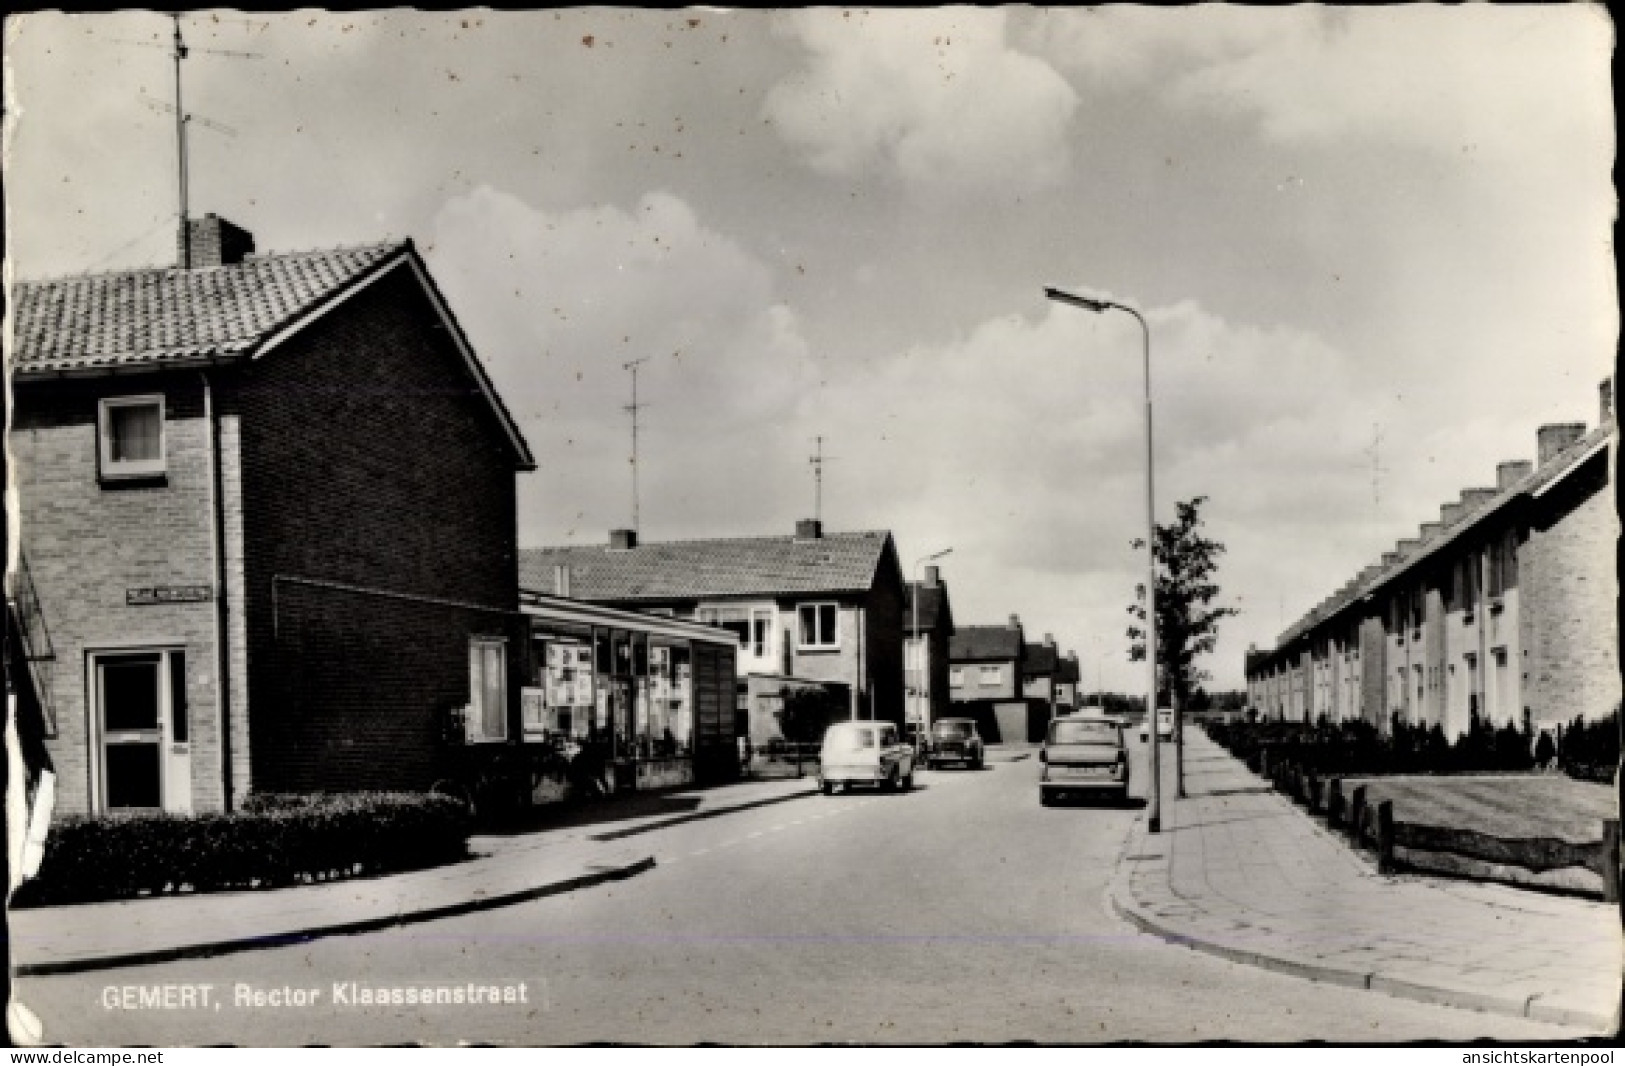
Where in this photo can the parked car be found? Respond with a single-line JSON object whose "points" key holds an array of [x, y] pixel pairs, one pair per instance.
{"points": [[955, 740], [1165, 725], [865, 753], [1083, 755]]}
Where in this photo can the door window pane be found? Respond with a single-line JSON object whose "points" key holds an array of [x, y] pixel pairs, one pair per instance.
{"points": [[130, 693], [179, 725], [132, 775]]}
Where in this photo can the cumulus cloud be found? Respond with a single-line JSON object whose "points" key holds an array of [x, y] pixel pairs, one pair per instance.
{"points": [[1476, 77], [559, 302], [936, 103]]}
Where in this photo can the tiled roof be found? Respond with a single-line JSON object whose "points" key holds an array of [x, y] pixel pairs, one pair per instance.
{"points": [[979, 643], [132, 318], [933, 606], [1039, 660], [1070, 670], [691, 569], [1530, 484]]}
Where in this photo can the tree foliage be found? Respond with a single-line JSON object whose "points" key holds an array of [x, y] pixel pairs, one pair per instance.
{"points": [[1187, 617]]}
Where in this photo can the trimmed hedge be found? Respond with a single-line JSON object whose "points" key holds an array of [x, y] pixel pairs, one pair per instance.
{"points": [[274, 841], [1356, 748]]}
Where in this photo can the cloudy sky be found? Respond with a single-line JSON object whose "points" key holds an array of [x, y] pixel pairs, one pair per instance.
{"points": [[1374, 247]]}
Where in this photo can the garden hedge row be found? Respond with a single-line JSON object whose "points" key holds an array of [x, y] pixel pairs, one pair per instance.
{"points": [[273, 841]]}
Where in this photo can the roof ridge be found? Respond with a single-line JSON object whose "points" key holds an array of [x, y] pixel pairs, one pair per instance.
{"points": [[759, 538], [308, 253]]}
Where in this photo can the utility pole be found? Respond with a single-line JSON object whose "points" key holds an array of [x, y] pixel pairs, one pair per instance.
{"points": [[633, 408], [180, 146]]}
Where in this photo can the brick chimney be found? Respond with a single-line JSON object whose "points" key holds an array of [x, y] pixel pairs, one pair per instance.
{"points": [[623, 539], [561, 579], [1553, 439], [1389, 558], [1049, 641], [211, 241], [1405, 547], [1430, 530], [1450, 513], [1509, 474], [933, 577], [1015, 621], [1473, 499], [1605, 393], [809, 529]]}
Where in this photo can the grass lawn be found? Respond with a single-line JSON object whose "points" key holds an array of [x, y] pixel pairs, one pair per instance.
{"points": [[1505, 805]]}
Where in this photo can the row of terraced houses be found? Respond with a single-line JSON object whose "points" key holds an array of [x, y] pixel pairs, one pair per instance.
{"points": [[1504, 608], [269, 544]]}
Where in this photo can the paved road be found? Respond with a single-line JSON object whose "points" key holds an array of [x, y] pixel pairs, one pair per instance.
{"points": [[960, 912]]}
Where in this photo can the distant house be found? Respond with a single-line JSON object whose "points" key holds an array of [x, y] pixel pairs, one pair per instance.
{"points": [[926, 654], [1041, 670], [268, 526], [809, 608], [1068, 694], [985, 665], [1504, 609]]}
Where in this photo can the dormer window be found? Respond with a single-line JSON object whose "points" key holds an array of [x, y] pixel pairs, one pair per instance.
{"points": [[130, 433]]}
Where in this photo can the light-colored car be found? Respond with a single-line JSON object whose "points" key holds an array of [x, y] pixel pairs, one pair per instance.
{"points": [[955, 740], [865, 753], [1165, 725], [1083, 755]]}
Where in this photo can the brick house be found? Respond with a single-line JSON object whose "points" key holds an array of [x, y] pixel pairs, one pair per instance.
{"points": [[985, 666], [812, 608], [268, 526], [1504, 608], [926, 653]]}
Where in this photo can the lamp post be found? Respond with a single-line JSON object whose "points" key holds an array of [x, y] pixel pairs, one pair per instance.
{"points": [[1154, 819], [923, 688]]}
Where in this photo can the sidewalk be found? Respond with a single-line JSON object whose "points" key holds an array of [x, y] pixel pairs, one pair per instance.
{"points": [[596, 846], [1241, 873]]}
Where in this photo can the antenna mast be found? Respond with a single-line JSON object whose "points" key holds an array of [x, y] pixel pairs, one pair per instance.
{"points": [[633, 408], [180, 146], [818, 460]]}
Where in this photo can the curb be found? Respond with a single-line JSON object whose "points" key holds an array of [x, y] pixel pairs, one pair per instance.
{"points": [[1527, 1007], [599, 874]]}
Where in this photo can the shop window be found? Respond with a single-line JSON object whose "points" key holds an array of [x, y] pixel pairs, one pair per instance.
{"points": [[130, 432], [820, 626], [487, 690]]}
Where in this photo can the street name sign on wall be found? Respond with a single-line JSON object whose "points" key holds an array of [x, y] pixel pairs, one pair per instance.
{"points": [[168, 594]]}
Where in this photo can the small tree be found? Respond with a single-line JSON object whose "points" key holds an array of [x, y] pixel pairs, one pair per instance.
{"points": [[1187, 620]]}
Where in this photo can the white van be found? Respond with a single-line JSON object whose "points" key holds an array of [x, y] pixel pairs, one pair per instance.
{"points": [[865, 753]]}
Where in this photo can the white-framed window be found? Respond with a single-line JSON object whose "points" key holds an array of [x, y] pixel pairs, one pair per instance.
{"points": [[991, 675], [130, 436], [752, 625], [819, 626], [487, 690]]}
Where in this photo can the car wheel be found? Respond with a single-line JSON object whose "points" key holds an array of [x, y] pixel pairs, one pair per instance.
{"points": [[907, 782], [892, 780], [828, 787]]}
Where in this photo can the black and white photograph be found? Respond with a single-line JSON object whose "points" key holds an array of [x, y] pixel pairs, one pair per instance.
{"points": [[812, 526]]}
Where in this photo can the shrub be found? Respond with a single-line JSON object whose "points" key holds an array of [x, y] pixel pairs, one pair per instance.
{"points": [[273, 841], [1590, 750]]}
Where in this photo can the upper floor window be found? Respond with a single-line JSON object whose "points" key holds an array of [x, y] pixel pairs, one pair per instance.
{"points": [[956, 675], [992, 675], [752, 625], [130, 436], [819, 625]]}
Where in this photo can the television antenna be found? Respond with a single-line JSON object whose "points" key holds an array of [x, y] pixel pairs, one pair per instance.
{"points": [[180, 51], [633, 408], [818, 459]]}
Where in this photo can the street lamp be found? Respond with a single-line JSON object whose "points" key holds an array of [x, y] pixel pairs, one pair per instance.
{"points": [[1154, 820], [922, 690]]}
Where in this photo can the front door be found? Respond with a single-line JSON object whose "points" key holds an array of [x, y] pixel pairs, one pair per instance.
{"points": [[142, 721]]}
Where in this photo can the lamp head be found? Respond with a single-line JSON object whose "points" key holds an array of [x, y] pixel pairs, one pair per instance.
{"points": [[1097, 306]]}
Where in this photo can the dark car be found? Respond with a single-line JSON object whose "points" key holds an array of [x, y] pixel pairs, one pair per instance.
{"points": [[1083, 756], [955, 740]]}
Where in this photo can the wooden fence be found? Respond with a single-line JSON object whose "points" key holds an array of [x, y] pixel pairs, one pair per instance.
{"points": [[1375, 826]]}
